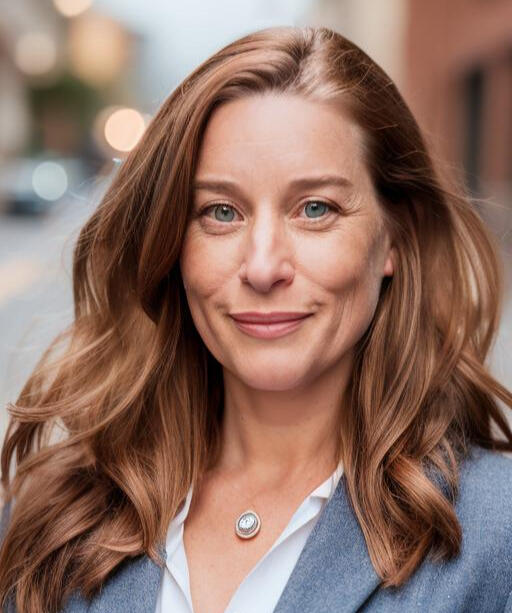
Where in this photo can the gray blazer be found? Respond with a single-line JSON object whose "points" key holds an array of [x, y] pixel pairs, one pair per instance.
{"points": [[334, 573]]}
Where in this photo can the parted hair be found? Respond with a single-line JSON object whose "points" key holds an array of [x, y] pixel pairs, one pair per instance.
{"points": [[122, 413]]}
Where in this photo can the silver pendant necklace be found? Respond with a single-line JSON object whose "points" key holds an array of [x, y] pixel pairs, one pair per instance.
{"points": [[248, 524]]}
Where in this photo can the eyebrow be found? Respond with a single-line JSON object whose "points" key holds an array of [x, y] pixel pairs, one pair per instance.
{"points": [[301, 183]]}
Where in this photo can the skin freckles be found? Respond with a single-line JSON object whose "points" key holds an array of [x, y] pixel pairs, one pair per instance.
{"points": [[269, 249]]}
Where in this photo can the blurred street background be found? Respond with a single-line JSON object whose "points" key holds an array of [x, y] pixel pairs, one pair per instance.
{"points": [[80, 80]]}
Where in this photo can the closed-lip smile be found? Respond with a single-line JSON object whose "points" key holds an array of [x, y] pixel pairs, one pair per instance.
{"points": [[254, 317], [269, 325]]}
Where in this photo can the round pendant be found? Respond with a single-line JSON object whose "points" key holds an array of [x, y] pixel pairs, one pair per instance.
{"points": [[248, 524]]}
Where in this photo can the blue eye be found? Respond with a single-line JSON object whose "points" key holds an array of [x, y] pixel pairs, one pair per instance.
{"points": [[225, 209], [314, 208]]}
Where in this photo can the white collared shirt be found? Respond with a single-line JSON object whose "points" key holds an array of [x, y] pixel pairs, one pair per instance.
{"points": [[262, 587]]}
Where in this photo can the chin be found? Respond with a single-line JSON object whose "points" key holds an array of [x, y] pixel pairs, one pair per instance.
{"points": [[270, 379]]}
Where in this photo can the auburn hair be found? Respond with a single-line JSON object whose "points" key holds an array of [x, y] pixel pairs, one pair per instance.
{"points": [[122, 414]]}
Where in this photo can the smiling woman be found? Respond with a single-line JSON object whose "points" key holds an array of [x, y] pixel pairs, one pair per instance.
{"points": [[274, 394]]}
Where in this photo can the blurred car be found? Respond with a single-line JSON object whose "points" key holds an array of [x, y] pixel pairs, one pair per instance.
{"points": [[33, 185]]}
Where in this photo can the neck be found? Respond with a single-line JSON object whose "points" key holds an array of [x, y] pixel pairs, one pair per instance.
{"points": [[270, 436]]}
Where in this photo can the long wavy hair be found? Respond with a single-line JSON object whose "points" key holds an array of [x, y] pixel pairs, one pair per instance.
{"points": [[122, 414]]}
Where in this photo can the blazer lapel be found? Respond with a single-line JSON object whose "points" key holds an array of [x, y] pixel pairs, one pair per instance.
{"points": [[133, 587], [334, 572]]}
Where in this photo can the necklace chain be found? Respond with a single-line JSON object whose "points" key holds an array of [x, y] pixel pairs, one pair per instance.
{"points": [[248, 523]]}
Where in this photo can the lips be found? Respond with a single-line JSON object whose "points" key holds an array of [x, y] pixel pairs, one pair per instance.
{"points": [[253, 317], [269, 325]]}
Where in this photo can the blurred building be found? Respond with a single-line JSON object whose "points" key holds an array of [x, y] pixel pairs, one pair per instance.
{"points": [[459, 81], [452, 62]]}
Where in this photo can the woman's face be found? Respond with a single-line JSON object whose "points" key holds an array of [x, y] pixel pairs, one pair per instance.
{"points": [[285, 219]]}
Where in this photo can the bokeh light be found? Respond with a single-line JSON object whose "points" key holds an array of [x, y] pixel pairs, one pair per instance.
{"points": [[98, 48], [124, 128], [35, 53], [50, 180], [71, 8]]}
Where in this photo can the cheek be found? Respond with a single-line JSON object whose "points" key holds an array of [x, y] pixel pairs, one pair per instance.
{"points": [[345, 269], [204, 265], [207, 267], [339, 263]]}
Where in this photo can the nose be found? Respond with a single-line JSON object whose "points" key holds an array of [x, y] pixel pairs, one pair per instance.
{"points": [[268, 253]]}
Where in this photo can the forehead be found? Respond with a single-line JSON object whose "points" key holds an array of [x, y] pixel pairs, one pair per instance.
{"points": [[280, 132]]}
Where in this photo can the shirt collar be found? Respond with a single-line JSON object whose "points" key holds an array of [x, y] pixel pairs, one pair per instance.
{"points": [[324, 490], [175, 532]]}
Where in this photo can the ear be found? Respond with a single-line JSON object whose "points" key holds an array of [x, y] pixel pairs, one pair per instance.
{"points": [[389, 266]]}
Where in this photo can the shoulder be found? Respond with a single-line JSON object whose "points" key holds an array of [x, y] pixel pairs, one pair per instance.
{"points": [[481, 461], [484, 506], [479, 577], [485, 488]]}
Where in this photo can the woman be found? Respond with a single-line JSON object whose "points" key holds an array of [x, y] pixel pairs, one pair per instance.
{"points": [[273, 395]]}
